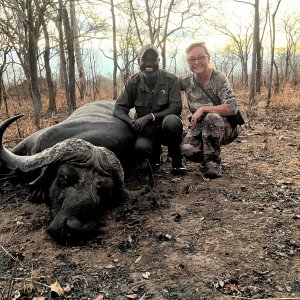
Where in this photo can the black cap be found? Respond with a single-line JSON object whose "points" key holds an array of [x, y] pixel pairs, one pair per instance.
{"points": [[146, 48]]}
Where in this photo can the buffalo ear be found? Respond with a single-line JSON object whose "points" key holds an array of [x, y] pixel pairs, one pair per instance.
{"points": [[40, 178], [40, 185], [38, 195]]}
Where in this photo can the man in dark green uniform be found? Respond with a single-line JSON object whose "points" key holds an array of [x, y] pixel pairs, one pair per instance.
{"points": [[155, 94]]}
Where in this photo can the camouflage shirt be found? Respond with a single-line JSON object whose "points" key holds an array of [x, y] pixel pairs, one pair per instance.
{"points": [[165, 94], [218, 88]]}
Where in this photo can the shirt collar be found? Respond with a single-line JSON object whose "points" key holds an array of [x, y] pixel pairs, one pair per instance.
{"points": [[160, 81]]}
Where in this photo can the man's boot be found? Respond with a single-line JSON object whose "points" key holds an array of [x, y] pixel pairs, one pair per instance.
{"points": [[156, 156], [178, 168]]}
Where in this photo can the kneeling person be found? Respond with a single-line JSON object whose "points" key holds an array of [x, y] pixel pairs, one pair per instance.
{"points": [[155, 94], [211, 101]]}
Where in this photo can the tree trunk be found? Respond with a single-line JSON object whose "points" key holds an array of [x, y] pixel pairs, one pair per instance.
{"points": [[3, 94], [245, 73], [63, 77], [115, 58], [50, 84], [259, 69], [78, 55], [252, 95], [164, 40], [33, 69], [277, 81], [273, 33], [71, 62], [287, 63]]}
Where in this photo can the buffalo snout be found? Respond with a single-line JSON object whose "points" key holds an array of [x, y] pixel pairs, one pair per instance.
{"points": [[70, 230]]}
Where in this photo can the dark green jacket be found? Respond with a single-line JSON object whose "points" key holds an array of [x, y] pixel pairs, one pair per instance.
{"points": [[137, 94]]}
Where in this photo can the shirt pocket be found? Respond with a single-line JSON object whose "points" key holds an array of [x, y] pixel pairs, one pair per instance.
{"points": [[163, 100], [141, 100]]}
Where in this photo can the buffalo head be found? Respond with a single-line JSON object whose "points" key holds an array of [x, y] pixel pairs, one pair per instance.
{"points": [[78, 180]]}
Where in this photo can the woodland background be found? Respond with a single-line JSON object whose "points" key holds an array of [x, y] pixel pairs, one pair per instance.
{"points": [[52, 52]]}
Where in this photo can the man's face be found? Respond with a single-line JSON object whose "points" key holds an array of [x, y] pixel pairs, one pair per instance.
{"points": [[149, 64]]}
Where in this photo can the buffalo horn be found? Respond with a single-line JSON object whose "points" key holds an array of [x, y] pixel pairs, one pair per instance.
{"points": [[74, 150], [7, 158]]}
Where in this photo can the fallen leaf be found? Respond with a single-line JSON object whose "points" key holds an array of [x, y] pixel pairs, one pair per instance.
{"points": [[38, 298], [176, 179], [67, 288], [288, 288], [280, 289], [146, 275], [164, 237], [100, 297], [130, 239], [109, 266], [17, 294], [231, 287], [56, 290], [138, 259], [132, 296], [286, 181]]}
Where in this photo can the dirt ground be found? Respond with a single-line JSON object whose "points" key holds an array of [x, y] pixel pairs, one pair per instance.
{"points": [[189, 238]]}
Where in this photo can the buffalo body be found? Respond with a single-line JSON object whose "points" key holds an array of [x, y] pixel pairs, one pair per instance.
{"points": [[76, 166]]}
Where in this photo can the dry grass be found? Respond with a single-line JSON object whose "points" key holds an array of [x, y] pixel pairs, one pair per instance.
{"points": [[289, 98], [25, 126]]}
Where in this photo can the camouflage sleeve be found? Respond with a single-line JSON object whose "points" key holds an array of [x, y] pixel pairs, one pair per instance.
{"points": [[225, 93]]}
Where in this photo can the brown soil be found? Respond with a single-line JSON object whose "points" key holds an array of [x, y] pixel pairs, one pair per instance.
{"points": [[187, 239]]}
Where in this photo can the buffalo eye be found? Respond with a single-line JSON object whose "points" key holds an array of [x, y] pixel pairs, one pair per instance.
{"points": [[62, 179], [66, 175]]}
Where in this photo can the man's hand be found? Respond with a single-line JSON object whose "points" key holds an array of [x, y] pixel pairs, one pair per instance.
{"points": [[123, 115], [141, 123]]}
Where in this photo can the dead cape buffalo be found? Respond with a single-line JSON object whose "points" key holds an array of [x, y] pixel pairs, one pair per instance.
{"points": [[75, 166]]}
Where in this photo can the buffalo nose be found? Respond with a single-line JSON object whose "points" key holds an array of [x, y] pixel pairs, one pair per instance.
{"points": [[71, 230], [66, 228], [58, 227], [57, 232]]}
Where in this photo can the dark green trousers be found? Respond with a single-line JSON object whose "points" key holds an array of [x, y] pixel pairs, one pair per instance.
{"points": [[168, 132]]}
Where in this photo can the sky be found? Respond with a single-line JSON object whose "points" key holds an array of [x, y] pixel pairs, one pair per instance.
{"points": [[240, 14], [237, 15]]}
